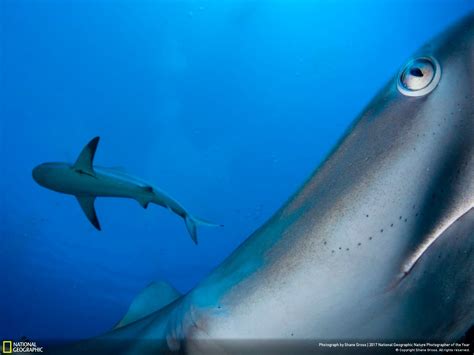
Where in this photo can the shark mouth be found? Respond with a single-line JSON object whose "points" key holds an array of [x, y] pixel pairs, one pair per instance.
{"points": [[413, 260]]}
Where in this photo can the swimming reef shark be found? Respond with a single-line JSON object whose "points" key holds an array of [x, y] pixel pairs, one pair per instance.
{"points": [[377, 244], [87, 182]]}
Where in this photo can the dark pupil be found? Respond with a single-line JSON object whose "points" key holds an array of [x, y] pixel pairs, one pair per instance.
{"points": [[416, 72]]}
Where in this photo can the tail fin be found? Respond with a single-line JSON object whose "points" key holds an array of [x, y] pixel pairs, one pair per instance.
{"points": [[193, 222]]}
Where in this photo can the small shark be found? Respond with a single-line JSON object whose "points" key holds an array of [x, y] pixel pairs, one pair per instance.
{"points": [[377, 245], [87, 182]]}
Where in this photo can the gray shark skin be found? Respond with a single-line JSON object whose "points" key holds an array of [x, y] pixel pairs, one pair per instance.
{"points": [[87, 182], [377, 244]]}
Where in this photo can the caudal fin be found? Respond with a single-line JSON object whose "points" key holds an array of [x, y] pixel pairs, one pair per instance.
{"points": [[193, 222]]}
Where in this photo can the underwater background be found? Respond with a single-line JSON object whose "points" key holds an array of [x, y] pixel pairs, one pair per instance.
{"points": [[228, 106]]}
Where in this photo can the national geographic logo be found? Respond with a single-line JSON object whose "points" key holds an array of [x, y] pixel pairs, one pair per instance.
{"points": [[15, 347], [7, 347]]}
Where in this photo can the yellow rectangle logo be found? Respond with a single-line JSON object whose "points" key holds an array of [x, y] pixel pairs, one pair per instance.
{"points": [[7, 347]]}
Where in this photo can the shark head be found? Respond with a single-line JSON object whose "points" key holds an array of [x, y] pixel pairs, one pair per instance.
{"points": [[342, 257], [419, 130], [62, 177], [50, 174]]}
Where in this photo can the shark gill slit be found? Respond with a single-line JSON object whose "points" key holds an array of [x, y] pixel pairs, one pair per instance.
{"points": [[424, 247]]}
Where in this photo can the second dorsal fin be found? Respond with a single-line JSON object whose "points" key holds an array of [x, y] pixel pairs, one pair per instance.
{"points": [[85, 160]]}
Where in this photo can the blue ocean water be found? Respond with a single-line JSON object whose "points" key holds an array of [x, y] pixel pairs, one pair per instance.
{"points": [[226, 105]]}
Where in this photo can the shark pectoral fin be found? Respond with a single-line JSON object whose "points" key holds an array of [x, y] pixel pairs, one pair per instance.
{"points": [[87, 205], [154, 297], [85, 160]]}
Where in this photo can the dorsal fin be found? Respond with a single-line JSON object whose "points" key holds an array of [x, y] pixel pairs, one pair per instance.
{"points": [[154, 297], [148, 188], [85, 160]]}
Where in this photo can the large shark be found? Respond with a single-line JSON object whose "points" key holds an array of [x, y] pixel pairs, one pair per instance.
{"points": [[86, 181], [377, 244]]}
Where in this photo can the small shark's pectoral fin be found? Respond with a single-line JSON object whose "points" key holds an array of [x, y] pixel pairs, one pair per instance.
{"points": [[85, 160], [87, 205], [154, 297]]}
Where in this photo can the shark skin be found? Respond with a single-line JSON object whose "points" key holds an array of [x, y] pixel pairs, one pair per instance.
{"points": [[86, 182], [377, 244]]}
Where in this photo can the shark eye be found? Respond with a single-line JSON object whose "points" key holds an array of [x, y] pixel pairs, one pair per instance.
{"points": [[419, 76]]}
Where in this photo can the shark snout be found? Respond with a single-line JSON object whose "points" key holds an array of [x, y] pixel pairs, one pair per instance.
{"points": [[45, 172], [38, 174]]}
